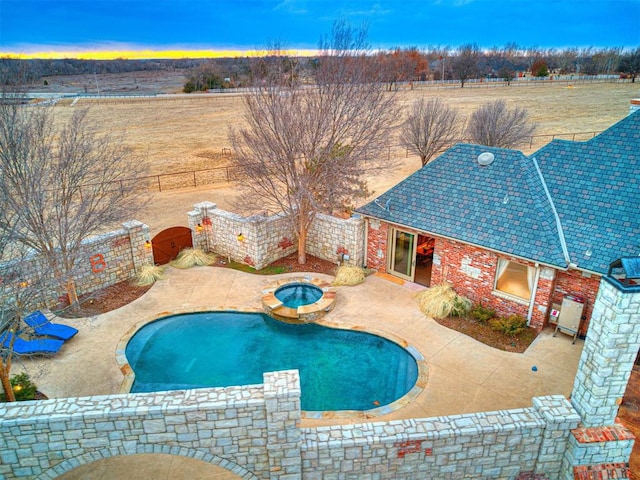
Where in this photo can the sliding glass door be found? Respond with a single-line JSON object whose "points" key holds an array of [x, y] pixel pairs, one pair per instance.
{"points": [[402, 254]]}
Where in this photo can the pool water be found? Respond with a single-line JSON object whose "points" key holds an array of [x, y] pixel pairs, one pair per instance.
{"points": [[294, 295], [339, 369]]}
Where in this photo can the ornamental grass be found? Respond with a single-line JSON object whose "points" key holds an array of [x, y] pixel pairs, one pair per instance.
{"points": [[442, 301], [191, 257], [148, 274], [347, 275]]}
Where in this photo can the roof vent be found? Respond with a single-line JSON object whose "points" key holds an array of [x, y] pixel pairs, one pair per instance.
{"points": [[486, 158]]}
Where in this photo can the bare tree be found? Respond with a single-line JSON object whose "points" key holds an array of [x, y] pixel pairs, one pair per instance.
{"points": [[306, 150], [430, 127], [466, 64], [21, 289], [65, 184], [630, 63], [496, 125]]}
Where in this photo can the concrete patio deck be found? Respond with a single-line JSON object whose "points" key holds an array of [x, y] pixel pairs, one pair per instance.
{"points": [[464, 375]]}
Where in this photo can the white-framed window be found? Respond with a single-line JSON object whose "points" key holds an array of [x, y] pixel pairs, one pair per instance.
{"points": [[515, 279]]}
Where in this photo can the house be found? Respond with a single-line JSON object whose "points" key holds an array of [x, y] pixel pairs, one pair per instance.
{"points": [[518, 233]]}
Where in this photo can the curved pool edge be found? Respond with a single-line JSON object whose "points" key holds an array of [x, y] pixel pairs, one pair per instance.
{"points": [[405, 400], [309, 313]]}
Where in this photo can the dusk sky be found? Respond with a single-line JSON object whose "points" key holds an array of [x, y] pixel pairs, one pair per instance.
{"points": [[28, 26]]}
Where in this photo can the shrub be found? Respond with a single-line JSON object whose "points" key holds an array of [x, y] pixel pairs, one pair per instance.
{"points": [[23, 388], [461, 306], [190, 257], [148, 274], [440, 301], [511, 325], [349, 275], [481, 313]]}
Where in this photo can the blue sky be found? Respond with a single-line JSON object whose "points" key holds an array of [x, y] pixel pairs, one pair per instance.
{"points": [[38, 25]]}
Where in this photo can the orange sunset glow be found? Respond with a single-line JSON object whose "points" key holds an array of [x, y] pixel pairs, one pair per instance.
{"points": [[150, 54]]}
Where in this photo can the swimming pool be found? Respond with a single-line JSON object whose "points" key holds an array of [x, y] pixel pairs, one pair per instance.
{"points": [[339, 369]]}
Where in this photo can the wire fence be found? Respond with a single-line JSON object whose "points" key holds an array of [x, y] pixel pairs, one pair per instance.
{"points": [[229, 174]]}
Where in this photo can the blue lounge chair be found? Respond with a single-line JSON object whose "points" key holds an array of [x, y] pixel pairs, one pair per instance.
{"points": [[38, 346], [42, 326]]}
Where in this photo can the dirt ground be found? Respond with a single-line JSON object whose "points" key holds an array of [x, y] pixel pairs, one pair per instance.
{"points": [[189, 132], [181, 133]]}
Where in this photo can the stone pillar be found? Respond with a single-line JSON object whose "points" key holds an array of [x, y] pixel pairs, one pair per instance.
{"points": [[282, 398], [609, 352], [200, 225], [600, 446], [141, 251], [559, 418]]}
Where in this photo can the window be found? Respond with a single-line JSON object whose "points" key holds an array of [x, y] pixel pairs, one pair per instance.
{"points": [[515, 279]]}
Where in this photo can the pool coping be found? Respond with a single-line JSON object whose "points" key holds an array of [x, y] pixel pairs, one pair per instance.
{"points": [[309, 313], [406, 399]]}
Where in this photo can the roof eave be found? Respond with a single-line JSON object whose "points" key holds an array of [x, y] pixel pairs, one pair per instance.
{"points": [[483, 247]]}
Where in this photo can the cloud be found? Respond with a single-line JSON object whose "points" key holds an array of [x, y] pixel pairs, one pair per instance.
{"points": [[375, 10], [297, 7]]}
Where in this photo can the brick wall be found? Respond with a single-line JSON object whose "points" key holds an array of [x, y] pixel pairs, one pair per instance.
{"points": [[472, 273], [377, 239], [577, 283], [471, 270]]}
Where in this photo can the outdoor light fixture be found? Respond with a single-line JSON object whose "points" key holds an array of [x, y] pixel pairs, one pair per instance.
{"points": [[147, 244], [199, 227], [240, 237], [24, 284]]}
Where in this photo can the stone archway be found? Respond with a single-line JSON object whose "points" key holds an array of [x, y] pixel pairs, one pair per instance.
{"points": [[157, 461], [149, 465]]}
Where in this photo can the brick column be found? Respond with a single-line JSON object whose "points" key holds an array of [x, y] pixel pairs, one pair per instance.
{"points": [[609, 352], [282, 398]]}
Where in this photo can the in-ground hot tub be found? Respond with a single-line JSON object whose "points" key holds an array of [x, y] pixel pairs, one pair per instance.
{"points": [[298, 300]]}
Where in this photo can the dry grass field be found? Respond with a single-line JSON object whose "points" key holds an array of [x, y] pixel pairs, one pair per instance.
{"points": [[183, 133]]}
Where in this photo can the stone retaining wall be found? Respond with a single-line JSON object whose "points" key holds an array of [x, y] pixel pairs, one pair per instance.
{"points": [[254, 431], [104, 260]]}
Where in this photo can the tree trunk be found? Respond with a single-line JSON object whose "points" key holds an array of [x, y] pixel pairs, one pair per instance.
{"points": [[72, 295], [302, 247], [9, 396]]}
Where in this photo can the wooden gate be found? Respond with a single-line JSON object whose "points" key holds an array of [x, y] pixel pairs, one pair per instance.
{"points": [[168, 243]]}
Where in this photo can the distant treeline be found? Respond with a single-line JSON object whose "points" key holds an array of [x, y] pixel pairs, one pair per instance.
{"points": [[390, 66]]}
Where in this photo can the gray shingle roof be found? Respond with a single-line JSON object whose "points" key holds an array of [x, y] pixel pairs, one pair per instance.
{"points": [[594, 186]]}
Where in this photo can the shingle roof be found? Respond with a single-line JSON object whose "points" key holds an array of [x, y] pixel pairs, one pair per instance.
{"points": [[594, 187]]}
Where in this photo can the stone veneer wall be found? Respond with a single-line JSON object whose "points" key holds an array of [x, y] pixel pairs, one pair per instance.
{"points": [[251, 431], [254, 432], [105, 260], [502, 444], [268, 238], [606, 362]]}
